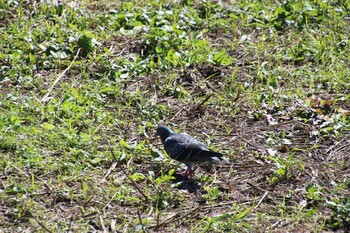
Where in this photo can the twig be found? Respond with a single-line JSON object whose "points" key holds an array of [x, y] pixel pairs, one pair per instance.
{"points": [[256, 147], [90, 214], [178, 112], [42, 225], [127, 176], [337, 149], [258, 188], [44, 182], [278, 124], [135, 185], [165, 221], [275, 224], [115, 194], [38, 194], [139, 216], [70, 223], [335, 145], [86, 203], [9, 12], [342, 147], [58, 78], [263, 197], [237, 97], [109, 171], [174, 216], [6, 80], [21, 171], [191, 212], [103, 224], [225, 135], [194, 108]]}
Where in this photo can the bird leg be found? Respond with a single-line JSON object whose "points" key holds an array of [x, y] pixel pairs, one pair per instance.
{"points": [[189, 172], [183, 173]]}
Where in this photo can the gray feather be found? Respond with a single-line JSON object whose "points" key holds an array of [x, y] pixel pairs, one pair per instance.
{"points": [[184, 148]]}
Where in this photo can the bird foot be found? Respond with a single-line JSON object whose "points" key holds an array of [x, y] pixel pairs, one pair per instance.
{"points": [[183, 173], [188, 173]]}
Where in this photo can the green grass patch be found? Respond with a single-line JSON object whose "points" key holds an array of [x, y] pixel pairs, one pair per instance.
{"points": [[84, 85]]}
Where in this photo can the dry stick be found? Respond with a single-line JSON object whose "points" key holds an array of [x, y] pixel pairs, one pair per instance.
{"points": [[135, 185], [258, 188], [88, 201], [127, 176], [263, 197], [335, 145], [103, 224], [278, 124], [257, 205], [342, 147], [109, 172], [202, 82], [5, 80], [158, 216], [273, 225], [338, 149], [89, 215], [218, 205], [226, 135], [203, 207], [178, 112], [58, 78], [115, 194], [256, 147], [21, 171], [37, 194], [44, 182], [191, 212], [139, 216], [70, 222], [174, 216], [193, 108], [9, 12], [165, 221], [42, 225], [237, 97], [200, 103]]}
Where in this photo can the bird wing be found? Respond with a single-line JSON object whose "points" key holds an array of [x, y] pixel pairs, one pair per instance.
{"points": [[184, 148]]}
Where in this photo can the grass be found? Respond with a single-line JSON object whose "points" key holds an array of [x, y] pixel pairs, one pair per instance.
{"points": [[84, 85]]}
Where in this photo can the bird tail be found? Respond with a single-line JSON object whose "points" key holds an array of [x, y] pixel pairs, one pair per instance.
{"points": [[214, 157]]}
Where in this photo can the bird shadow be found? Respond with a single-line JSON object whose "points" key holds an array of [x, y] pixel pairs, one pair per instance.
{"points": [[191, 185]]}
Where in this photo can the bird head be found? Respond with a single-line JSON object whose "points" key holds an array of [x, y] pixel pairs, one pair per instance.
{"points": [[163, 132]]}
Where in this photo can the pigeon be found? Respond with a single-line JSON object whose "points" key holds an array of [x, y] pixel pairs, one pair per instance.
{"points": [[184, 148]]}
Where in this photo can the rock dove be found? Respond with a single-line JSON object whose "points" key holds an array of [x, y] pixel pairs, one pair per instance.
{"points": [[186, 149]]}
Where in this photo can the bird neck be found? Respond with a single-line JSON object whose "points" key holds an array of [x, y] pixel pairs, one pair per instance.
{"points": [[166, 136]]}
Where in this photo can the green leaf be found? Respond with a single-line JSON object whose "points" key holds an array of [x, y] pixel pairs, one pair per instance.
{"points": [[47, 126], [137, 176], [244, 213]]}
